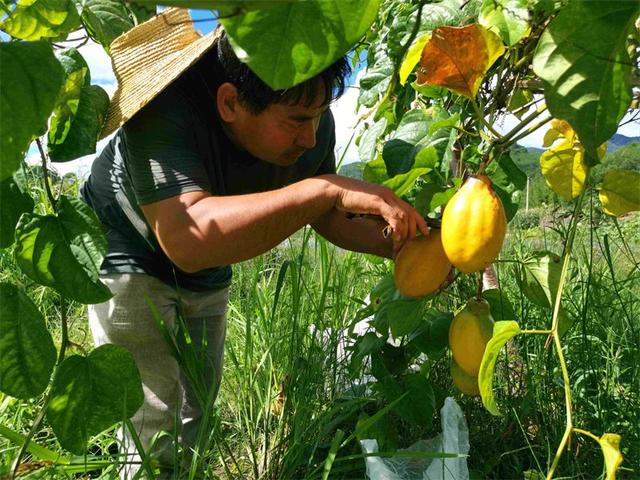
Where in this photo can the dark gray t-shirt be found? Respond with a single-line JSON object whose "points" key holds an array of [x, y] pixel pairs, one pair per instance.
{"points": [[172, 146]]}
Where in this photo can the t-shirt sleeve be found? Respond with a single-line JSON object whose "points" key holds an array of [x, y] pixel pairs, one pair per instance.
{"points": [[162, 157], [328, 164]]}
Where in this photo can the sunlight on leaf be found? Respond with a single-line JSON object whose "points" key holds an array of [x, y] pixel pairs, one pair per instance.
{"points": [[508, 18], [458, 58], [587, 82], [620, 192], [412, 58], [502, 333], [42, 19], [564, 169], [610, 444]]}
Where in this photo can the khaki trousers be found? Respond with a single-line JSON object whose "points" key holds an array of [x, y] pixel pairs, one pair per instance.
{"points": [[170, 404]]}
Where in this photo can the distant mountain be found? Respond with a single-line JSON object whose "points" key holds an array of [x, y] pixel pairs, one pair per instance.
{"points": [[618, 141]]}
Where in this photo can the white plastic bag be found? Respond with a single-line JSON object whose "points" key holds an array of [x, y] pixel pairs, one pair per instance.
{"points": [[453, 439]]}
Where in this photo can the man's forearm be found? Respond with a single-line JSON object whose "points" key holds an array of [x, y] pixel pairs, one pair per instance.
{"points": [[223, 230], [358, 234]]}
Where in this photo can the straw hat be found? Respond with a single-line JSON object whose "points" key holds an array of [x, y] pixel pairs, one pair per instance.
{"points": [[147, 58]]}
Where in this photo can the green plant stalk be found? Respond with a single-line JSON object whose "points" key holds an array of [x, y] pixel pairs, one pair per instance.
{"points": [[482, 120], [556, 337], [504, 139], [527, 132]]}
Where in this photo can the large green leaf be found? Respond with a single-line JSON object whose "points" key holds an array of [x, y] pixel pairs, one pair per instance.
{"points": [[502, 333], [289, 43], [509, 182], [26, 348], [400, 151], [583, 62], [64, 251], [432, 337], [84, 128], [14, 201], [375, 81], [38, 19], [30, 79], [620, 192], [77, 75], [403, 315], [508, 18], [92, 393], [105, 20], [539, 280], [418, 405]]}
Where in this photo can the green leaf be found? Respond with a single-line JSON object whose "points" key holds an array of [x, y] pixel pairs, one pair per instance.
{"points": [[31, 78], [13, 203], [375, 81], [26, 347], [499, 305], [620, 192], [76, 76], [369, 139], [41, 19], [84, 128], [403, 183], [432, 196], [105, 20], [375, 171], [289, 43], [418, 406], [64, 251], [539, 280], [508, 18], [586, 70], [509, 183], [364, 346], [502, 333], [433, 338], [400, 151], [403, 315], [92, 393]]}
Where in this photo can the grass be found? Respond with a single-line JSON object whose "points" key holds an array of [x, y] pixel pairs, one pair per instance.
{"points": [[286, 409]]}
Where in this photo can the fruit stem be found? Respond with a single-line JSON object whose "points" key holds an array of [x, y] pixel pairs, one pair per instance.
{"points": [[556, 336], [479, 291], [537, 332]]}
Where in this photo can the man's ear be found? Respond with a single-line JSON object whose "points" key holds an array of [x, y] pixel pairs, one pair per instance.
{"points": [[227, 102]]}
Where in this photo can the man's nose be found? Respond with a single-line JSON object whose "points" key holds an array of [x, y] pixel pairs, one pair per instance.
{"points": [[307, 136]]}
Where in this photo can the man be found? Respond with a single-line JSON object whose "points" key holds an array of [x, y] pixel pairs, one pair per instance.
{"points": [[216, 168]]}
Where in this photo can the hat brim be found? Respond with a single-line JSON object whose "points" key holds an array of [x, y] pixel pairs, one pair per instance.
{"points": [[148, 58]]}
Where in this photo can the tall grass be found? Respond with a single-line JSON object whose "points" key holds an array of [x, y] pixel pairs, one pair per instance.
{"points": [[286, 404]]}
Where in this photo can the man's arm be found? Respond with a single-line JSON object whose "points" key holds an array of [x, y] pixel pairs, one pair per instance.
{"points": [[197, 230], [358, 234]]}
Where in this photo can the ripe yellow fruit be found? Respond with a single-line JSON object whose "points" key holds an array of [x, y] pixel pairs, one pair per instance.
{"points": [[469, 333], [464, 382], [473, 225], [421, 266]]}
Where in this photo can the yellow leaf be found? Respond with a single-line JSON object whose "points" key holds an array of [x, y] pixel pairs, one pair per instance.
{"points": [[564, 169], [458, 58], [413, 57], [620, 192], [610, 445]]}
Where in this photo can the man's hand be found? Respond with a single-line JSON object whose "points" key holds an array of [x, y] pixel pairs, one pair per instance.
{"points": [[361, 197]]}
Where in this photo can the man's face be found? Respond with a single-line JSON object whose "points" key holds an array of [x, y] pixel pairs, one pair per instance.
{"points": [[281, 133]]}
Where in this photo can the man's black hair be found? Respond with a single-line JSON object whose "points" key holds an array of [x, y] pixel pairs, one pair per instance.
{"points": [[256, 95]]}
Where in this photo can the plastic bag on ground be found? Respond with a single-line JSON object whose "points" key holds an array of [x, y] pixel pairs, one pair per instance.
{"points": [[453, 439]]}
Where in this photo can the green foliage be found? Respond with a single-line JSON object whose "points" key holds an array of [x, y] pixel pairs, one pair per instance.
{"points": [[64, 251], [31, 77], [587, 82], [284, 48], [42, 19], [14, 201], [92, 393], [27, 350]]}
